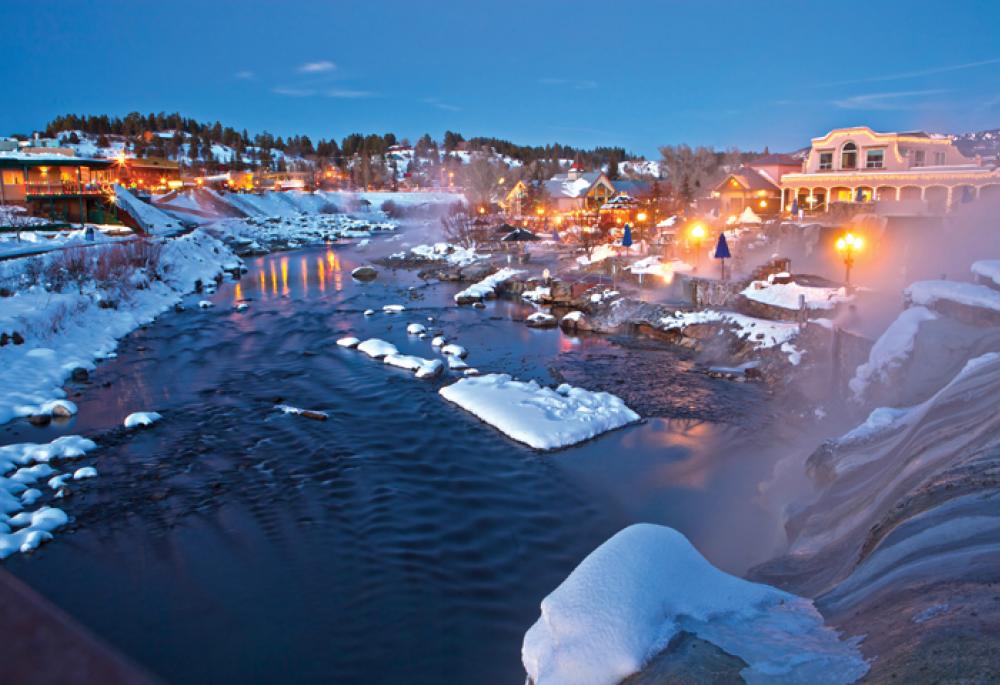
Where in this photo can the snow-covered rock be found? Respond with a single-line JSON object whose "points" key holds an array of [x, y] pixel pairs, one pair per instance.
{"points": [[788, 295], [377, 348], [988, 271], [625, 601], [348, 341], [541, 320], [487, 287], [84, 473], [453, 350], [543, 418], [423, 368], [416, 329], [393, 308], [141, 419], [438, 341]]}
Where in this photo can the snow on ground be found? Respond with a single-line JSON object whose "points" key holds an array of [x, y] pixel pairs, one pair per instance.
{"points": [[987, 269], [762, 333], [36, 242], [891, 350], [630, 596], [598, 254], [21, 466], [543, 418], [444, 252], [486, 287], [928, 293], [152, 220], [786, 295], [67, 329], [654, 266]]}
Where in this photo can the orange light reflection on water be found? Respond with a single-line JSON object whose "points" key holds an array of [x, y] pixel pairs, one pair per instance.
{"points": [[321, 268], [284, 275]]}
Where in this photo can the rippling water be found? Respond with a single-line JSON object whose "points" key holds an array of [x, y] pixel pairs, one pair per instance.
{"points": [[401, 540]]}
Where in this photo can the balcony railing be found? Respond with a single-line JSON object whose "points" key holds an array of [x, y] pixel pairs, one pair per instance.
{"points": [[54, 188]]}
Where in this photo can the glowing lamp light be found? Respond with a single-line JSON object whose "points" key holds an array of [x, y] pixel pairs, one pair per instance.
{"points": [[641, 216], [540, 211], [482, 210], [697, 231], [763, 204]]}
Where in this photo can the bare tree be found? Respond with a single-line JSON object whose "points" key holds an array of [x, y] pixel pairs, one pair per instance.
{"points": [[688, 169]]}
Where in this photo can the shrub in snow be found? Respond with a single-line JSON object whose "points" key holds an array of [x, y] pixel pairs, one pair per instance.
{"points": [[625, 601]]}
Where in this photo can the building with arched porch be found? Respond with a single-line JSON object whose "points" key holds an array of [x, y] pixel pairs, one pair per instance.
{"points": [[912, 173]]}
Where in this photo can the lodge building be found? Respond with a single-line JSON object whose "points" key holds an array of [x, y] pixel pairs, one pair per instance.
{"points": [[912, 172]]}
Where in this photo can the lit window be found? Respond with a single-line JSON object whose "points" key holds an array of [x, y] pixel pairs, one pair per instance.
{"points": [[918, 158], [825, 161], [874, 159], [849, 156], [938, 159]]}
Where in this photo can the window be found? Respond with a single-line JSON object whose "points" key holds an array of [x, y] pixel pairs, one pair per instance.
{"points": [[849, 156], [825, 161], [938, 159], [874, 159], [918, 158]]}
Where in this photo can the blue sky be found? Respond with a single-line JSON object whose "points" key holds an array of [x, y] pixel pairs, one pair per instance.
{"points": [[636, 74]]}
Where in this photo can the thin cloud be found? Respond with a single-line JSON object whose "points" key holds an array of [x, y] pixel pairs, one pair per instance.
{"points": [[345, 93], [317, 67], [885, 101], [294, 92], [578, 84], [915, 74], [434, 102], [245, 75]]}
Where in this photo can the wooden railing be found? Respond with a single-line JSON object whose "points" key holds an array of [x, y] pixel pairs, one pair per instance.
{"points": [[62, 188]]}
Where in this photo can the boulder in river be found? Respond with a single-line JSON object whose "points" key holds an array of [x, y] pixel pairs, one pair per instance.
{"points": [[365, 273]]}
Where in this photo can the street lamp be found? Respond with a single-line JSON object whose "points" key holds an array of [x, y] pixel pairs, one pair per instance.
{"points": [[847, 245], [697, 235]]}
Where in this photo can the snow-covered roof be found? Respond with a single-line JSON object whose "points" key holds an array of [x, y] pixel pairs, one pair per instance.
{"points": [[563, 185]]}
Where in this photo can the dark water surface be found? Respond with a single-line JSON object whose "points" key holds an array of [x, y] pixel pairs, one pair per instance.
{"points": [[401, 541]]}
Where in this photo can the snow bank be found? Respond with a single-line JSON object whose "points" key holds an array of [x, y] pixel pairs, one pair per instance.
{"points": [[762, 333], [65, 330], [631, 595], [486, 287], [449, 253], [987, 269], [891, 350], [23, 531], [786, 295], [152, 220], [928, 293], [540, 417]]}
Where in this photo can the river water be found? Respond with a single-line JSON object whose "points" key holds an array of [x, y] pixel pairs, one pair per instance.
{"points": [[402, 540]]}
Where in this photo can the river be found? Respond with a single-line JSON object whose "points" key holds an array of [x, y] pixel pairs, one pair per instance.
{"points": [[401, 540]]}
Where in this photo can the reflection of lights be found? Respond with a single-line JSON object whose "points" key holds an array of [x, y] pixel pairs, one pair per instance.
{"points": [[239, 292], [263, 283], [321, 268], [274, 279], [284, 275], [305, 275]]}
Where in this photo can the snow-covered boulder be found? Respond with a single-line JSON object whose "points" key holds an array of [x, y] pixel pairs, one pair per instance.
{"points": [[541, 320], [967, 302], [891, 351], [141, 419], [624, 603], [485, 288], [377, 348], [348, 341], [416, 329], [543, 418]]}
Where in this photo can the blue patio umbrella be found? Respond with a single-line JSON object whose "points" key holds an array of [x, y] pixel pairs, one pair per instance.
{"points": [[859, 196], [722, 252], [795, 207], [627, 238]]}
